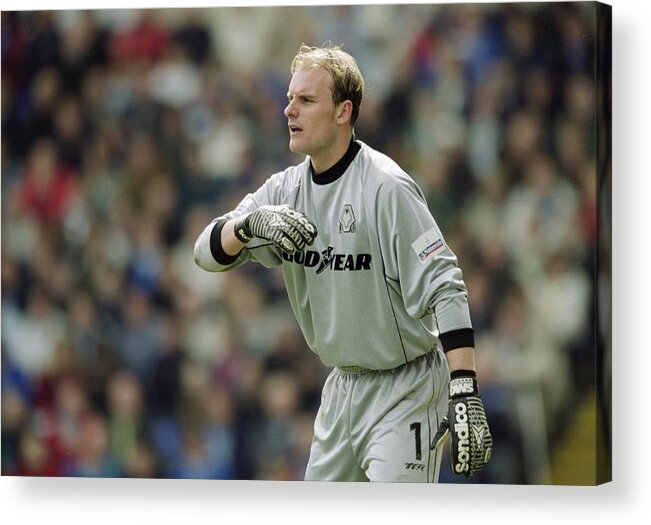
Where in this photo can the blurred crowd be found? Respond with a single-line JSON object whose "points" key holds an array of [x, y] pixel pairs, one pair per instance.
{"points": [[124, 132]]}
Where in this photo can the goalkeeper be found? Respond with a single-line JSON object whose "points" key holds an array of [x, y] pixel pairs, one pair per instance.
{"points": [[376, 290]]}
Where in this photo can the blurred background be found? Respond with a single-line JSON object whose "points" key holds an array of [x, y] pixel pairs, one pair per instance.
{"points": [[124, 132]]}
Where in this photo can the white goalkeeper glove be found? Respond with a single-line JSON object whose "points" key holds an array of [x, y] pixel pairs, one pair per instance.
{"points": [[288, 229], [472, 443]]}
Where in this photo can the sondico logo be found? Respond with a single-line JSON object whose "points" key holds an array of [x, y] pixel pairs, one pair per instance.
{"points": [[463, 436]]}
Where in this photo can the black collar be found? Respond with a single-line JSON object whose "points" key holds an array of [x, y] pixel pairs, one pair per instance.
{"points": [[336, 171]]}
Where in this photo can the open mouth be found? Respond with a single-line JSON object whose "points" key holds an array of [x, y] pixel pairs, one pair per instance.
{"points": [[294, 129]]}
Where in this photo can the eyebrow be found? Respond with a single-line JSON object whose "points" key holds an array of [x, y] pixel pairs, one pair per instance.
{"points": [[301, 95]]}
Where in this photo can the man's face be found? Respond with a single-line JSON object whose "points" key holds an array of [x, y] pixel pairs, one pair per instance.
{"points": [[311, 113]]}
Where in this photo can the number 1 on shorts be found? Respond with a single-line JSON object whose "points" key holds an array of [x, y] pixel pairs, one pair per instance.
{"points": [[416, 428]]}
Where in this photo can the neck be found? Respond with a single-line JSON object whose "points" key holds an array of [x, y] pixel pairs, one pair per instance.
{"points": [[340, 167], [324, 162]]}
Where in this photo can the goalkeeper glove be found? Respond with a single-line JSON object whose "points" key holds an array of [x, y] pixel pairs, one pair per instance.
{"points": [[472, 443], [288, 229]]}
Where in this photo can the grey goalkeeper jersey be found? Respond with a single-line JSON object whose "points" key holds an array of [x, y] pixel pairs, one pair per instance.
{"points": [[379, 285]]}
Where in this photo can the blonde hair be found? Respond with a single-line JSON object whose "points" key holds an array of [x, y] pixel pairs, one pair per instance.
{"points": [[347, 80]]}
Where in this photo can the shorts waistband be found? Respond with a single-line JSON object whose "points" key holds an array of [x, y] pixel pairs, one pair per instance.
{"points": [[360, 370], [356, 370]]}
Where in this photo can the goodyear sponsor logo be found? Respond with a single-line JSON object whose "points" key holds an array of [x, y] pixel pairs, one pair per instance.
{"points": [[328, 259]]}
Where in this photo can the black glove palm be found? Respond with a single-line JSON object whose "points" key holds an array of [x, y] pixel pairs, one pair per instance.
{"points": [[472, 443]]}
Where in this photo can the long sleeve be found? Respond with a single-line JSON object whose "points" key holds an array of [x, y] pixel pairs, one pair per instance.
{"points": [[207, 250], [418, 259]]}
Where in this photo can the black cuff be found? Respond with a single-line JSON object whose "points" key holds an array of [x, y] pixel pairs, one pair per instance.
{"points": [[463, 373], [457, 339], [241, 230], [463, 383], [216, 248]]}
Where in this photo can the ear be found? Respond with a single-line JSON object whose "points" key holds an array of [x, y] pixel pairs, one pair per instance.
{"points": [[344, 112]]}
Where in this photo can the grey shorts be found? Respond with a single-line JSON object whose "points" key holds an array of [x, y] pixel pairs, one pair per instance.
{"points": [[378, 425]]}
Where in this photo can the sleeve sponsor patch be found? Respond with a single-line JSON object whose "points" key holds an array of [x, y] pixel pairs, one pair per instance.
{"points": [[428, 244]]}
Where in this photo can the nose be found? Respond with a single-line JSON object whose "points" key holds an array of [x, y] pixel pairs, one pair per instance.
{"points": [[289, 110]]}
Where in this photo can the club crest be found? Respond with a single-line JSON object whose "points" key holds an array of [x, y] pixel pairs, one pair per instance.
{"points": [[347, 221]]}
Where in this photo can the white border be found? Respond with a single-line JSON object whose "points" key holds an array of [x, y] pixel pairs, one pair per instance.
{"points": [[100, 501]]}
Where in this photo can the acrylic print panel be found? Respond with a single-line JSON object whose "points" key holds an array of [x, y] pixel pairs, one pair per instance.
{"points": [[125, 132]]}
